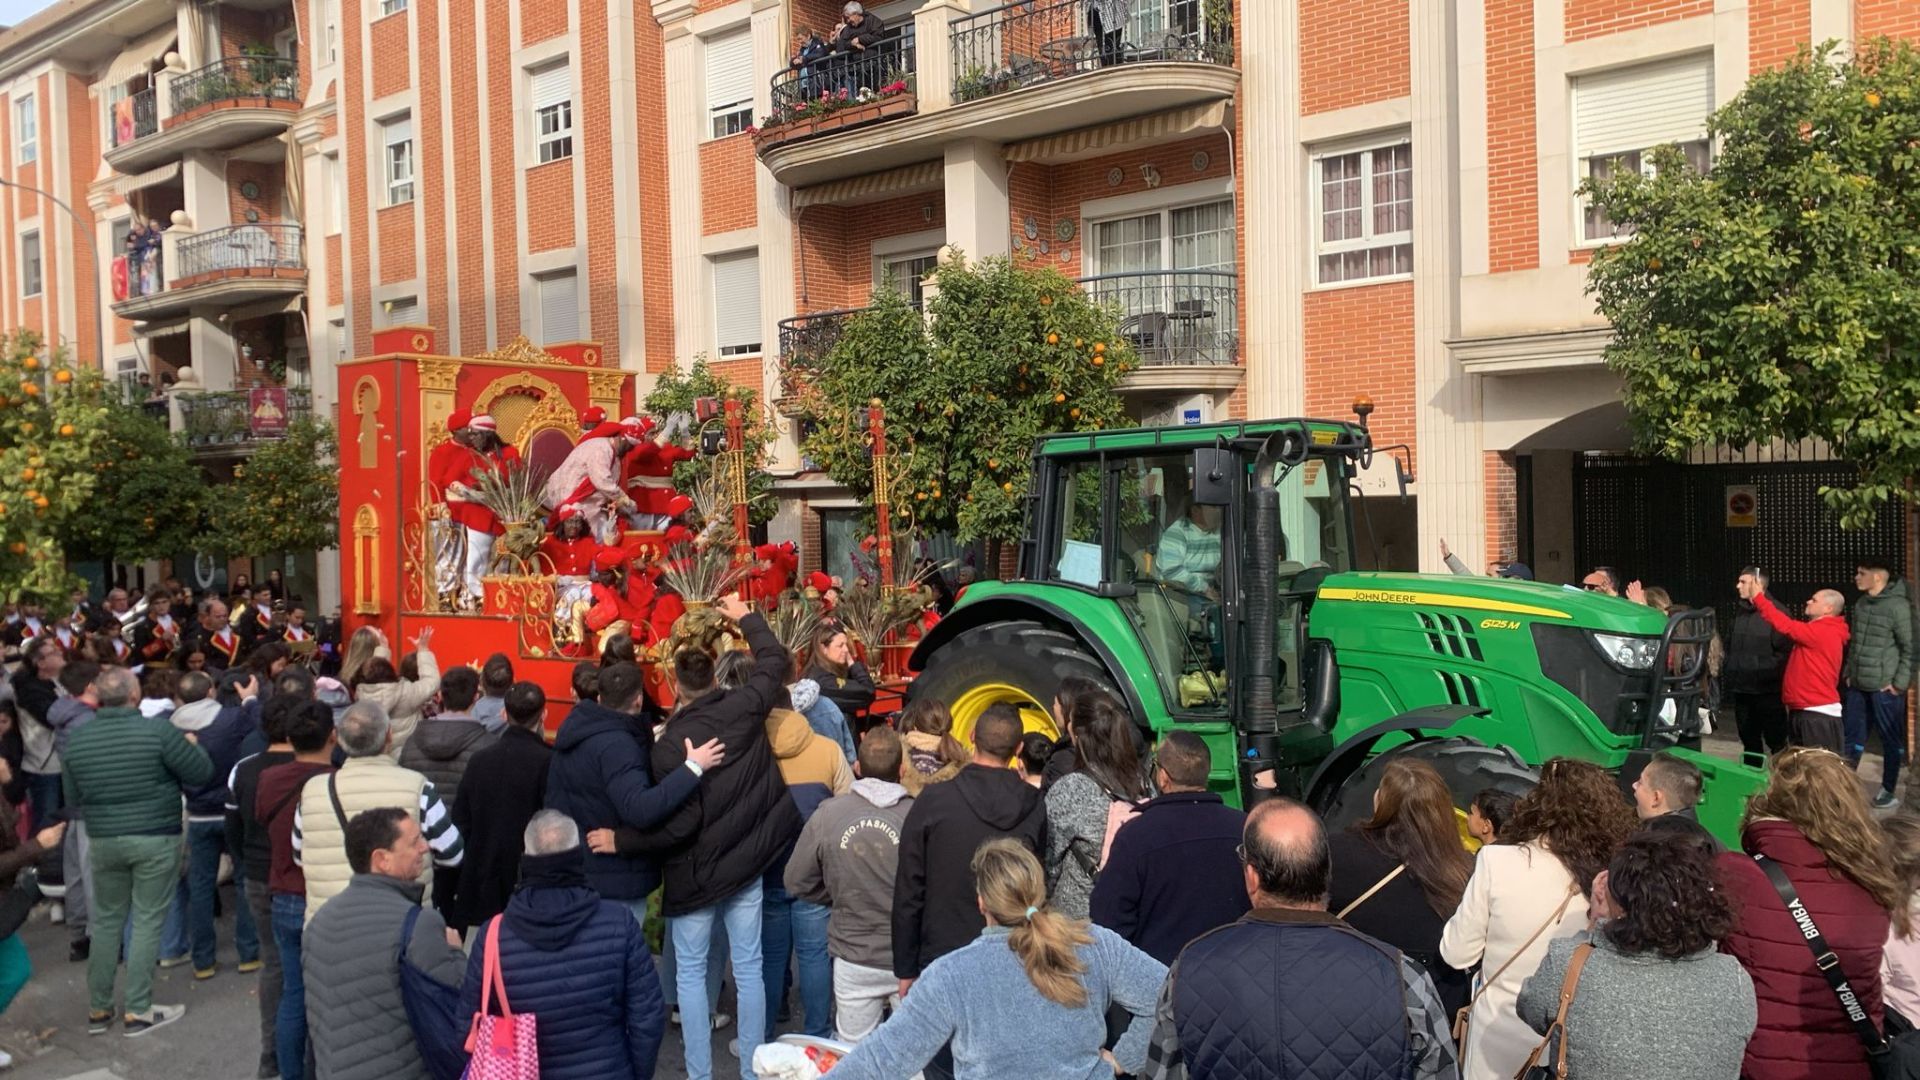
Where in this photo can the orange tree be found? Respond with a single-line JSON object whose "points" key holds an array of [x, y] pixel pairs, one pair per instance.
{"points": [[1006, 354], [676, 391], [53, 445], [149, 499], [283, 499]]}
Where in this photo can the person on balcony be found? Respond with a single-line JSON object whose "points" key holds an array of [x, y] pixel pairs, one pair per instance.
{"points": [[136, 244], [1106, 23], [809, 50], [858, 50]]}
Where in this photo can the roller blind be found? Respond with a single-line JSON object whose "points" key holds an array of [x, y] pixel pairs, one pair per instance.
{"points": [[729, 72], [404, 312], [559, 307], [1639, 107], [551, 85], [736, 303], [397, 130]]}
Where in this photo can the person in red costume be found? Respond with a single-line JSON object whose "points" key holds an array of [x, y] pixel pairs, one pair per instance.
{"points": [[592, 418], [569, 553], [444, 467], [774, 568], [485, 453], [827, 587], [646, 473]]}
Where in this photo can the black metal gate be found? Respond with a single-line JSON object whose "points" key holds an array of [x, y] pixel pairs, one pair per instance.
{"points": [[1666, 524]]}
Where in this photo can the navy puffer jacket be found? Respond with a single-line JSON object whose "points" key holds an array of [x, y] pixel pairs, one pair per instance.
{"points": [[580, 966]]}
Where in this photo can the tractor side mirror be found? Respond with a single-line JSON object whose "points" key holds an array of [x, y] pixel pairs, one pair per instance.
{"points": [[1213, 475], [1401, 475]]}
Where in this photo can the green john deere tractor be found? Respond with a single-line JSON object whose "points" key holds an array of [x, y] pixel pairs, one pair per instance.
{"points": [[1205, 574]]}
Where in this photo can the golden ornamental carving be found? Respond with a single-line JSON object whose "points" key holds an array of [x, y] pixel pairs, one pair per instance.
{"points": [[366, 542], [419, 342], [522, 351], [552, 411], [439, 374], [590, 357], [603, 389]]}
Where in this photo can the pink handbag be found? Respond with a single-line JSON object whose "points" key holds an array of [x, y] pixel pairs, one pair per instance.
{"points": [[503, 1047]]}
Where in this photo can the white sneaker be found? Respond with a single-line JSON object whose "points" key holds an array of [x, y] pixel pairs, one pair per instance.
{"points": [[721, 1020], [158, 1016], [6, 1060], [57, 913]]}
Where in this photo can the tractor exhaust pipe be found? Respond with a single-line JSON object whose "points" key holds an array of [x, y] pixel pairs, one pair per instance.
{"points": [[1260, 750]]}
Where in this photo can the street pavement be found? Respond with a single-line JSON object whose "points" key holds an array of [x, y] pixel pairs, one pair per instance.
{"points": [[218, 1039]]}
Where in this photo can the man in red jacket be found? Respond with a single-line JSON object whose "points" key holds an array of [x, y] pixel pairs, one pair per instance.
{"points": [[445, 466], [1810, 689], [569, 553]]}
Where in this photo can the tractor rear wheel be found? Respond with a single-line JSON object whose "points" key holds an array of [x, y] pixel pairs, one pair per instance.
{"points": [[1467, 765], [1016, 663]]}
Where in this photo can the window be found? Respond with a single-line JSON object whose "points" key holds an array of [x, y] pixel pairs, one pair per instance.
{"points": [[397, 136], [1618, 116], [1364, 210], [403, 311], [333, 207], [736, 304], [30, 263], [338, 328], [908, 273], [730, 83], [26, 130], [333, 31], [1170, 271], [552, 95], [392, 7], [557, 296]]}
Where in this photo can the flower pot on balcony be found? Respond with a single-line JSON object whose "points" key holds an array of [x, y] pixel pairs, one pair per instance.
{"points": [[866, 112]]}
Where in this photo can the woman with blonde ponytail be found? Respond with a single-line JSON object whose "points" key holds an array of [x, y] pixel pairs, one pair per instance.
{"points": [[1032, 970]]}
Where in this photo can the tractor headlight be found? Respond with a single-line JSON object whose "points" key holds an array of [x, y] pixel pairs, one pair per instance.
{"points": [[1633, 653]]}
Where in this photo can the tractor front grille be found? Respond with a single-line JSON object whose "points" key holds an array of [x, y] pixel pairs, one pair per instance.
{"points": [[1450, 635]]}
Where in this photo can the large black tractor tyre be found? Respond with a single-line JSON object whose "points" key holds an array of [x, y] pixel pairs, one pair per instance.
{"points": [[1467, 765], [1017, 662]]}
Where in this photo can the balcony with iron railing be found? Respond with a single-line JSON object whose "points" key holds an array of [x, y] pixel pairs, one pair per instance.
{"points": [[231, 102], [1174, 316], [805, 341], [133, 117], [217, 422], [235, 264], [1013, 73], [844, 90]]}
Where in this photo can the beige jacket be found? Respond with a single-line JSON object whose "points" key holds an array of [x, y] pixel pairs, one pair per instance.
{"points": [[320, 843], [405, 700]]}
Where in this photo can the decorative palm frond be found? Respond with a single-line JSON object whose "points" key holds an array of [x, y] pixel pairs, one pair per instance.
{"points": [[870, 612], [794, 620], [512, 492], [703, 570]]}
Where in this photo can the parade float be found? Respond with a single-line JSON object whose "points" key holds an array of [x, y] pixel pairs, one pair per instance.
{"points": [[540, 407]]}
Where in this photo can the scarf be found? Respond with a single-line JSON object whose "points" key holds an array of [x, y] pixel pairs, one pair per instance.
{"points": [[562, 870]]}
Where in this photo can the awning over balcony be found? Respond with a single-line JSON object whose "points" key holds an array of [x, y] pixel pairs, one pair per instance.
{"points": [[1106, 138], [139, 53], [909, 180], [127, 185]]}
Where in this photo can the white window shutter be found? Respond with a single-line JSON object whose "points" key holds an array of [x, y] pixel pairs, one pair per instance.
{"points": [[736, 302], [397, 130], [404, 312], [729, 71], [552, 85], [559, 307], [1644, 106]]}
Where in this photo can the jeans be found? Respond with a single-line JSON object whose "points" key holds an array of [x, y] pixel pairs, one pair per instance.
{"points": [[790, 926], [260, 906], [692, 936], [78, 877], [669, 965], [132, 877], [206, 842], [14, 969], [43, 798], [175, 939], [1887, 714], [1762, 720], [290, 1025], [860, 995]]}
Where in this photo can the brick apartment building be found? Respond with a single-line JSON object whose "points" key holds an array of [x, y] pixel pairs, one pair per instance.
{"points": [[1292, 201]]}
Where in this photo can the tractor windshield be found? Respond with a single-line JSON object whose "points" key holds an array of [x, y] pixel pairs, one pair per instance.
{"points": [[1315, 540]]}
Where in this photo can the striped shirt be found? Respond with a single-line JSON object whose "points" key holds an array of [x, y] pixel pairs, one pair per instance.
{"points": [[443, 838], [1189, 556]]}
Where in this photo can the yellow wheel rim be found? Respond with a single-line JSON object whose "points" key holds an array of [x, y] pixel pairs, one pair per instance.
{"points": [[975, 700]]}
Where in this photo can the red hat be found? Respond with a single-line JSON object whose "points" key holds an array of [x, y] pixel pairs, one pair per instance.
{"points": [[458, 419], [818, 581], [678, 505], [565, 513], [605, 431], [593, 417], [611, 558], [676, 534], [483, 422], [636, 427]]}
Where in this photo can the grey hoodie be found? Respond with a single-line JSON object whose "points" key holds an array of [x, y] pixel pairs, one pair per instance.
{"points": [[845, 859], [195, 715]]}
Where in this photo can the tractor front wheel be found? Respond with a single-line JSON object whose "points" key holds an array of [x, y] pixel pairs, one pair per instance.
{"points": [[1014, 663], [1467, 765]]}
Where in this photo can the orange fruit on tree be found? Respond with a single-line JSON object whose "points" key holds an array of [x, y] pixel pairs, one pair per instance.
{"points": [[1075, 414], [31, 363], [32, 496], [27, 426], [1046, 301], [30, 389], [17, 548], [1053, 339], [1873, 99], [1100, 346], [1099, 361], [66, 430], [63, 376], [1079, 343], [1059, 398], [40, 503], [27, 474], [1007, 487], [993, 463]]}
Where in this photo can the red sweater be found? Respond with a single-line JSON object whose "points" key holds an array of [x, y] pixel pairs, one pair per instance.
{"points": [[1813, 668], [1803, 1034]]}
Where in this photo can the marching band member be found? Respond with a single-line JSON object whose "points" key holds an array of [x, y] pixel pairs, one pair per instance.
{"points": [[156, 639], [217, 639], [296, 629], [445, 466], [256, 623]]}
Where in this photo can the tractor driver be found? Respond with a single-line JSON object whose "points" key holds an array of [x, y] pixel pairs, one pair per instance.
{"points": [[1189, 554]]}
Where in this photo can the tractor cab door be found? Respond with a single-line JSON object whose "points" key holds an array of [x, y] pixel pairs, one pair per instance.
{"points": [[1314, 540]]}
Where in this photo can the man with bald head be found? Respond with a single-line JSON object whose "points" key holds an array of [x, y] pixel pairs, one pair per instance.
{"points": [[1304, 993], [1810, 687]]}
